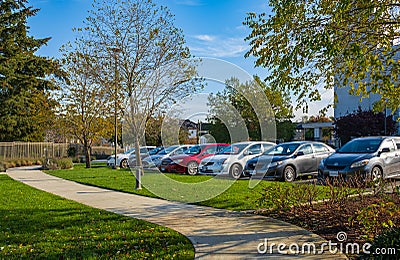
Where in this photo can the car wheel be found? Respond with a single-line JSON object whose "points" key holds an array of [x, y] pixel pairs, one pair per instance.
{"points": [[289, 174], [192, 168], [376, 176], [124, 164], [236, 171]]}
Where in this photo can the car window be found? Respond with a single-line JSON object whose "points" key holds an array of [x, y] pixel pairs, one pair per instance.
{"points": [[306, 149], [282, 149], [211, 150], [194, 150], [388, 144], [220, 148], [361, 146], [255, 149], [266, 146], [320, 148]]}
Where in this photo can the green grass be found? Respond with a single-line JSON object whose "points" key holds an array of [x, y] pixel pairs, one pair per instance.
{"points": [[202, 190], [39, 225]]}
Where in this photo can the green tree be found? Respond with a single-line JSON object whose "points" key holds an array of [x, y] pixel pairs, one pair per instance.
{"points": [[279, 104], [86, 103], [307, 44], [26, 104]]}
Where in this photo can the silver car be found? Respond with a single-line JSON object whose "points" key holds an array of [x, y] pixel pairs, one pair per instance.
{"points": [[232, 159], [155, 160]]}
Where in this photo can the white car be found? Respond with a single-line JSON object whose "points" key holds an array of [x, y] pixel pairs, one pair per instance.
{"points": [[232, 159], [155, 160], [122, 158], [144, 152]]}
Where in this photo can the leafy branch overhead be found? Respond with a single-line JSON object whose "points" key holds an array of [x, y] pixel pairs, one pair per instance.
{"points": [[309, 44]]}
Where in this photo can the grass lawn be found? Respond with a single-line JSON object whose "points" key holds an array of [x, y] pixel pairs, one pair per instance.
{"points": [[233, 195], [39, 225]]}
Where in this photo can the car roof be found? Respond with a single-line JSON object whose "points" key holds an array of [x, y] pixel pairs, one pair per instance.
{"points": [[254, 142]]}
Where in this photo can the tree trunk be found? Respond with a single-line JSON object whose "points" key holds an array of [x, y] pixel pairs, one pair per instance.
{"points": [[86, 148], [139, 166]]}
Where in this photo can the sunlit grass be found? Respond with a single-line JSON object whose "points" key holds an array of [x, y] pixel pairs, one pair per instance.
{"points": [[203, 190], [35, 224]]}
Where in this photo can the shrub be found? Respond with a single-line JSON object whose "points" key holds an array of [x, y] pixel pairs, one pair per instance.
{"points": [[2, 167], [57, 164], [388, 239]]}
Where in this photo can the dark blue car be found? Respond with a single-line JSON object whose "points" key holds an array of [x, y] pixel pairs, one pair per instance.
{"points": [[371, 158]]}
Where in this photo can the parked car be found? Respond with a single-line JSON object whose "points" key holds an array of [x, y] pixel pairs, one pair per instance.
{"points": [[189, 161], [287, 161], [155, 160], [144, 152], [233, 158], [122, 158], [374, 158]]}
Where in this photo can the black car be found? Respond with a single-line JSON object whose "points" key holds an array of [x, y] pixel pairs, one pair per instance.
{"points": [[367, 157], [287, 161]]}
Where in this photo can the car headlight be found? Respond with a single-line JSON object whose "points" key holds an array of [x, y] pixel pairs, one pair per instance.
{"points": [[359, 164], [178, 161], [275, 164], [222, 161]]}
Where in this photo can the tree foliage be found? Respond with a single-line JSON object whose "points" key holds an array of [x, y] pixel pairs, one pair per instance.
{"points": [[86, 99], [279, 105], [363, 123], [26, 104], [308, 44]]}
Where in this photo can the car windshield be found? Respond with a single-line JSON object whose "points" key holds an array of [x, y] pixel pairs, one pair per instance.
{"points": [[155, 150], [130, 151], [233, 149], [168, 150], [194, 150], [282, 149], [361, 146]]}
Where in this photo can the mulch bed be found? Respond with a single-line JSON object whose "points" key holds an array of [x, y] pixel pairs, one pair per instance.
{"points": [[328, 219]]}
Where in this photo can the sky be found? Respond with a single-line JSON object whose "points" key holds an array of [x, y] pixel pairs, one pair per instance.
{"points": [[212, 29]]}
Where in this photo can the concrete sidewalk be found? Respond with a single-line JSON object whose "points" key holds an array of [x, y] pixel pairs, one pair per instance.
{"points": [[215, 234]]}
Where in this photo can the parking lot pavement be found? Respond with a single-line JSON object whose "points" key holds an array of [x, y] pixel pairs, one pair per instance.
{"points": [[215, 233]]}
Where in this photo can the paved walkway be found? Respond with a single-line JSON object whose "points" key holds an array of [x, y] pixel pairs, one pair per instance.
{"points": [[215, 234]]}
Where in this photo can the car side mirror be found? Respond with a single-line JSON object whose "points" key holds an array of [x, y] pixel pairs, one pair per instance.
{"points": [[385, 150], [300, 153]]}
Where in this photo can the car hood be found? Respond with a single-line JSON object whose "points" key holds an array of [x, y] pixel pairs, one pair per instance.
{"points": [[273, 158], [342, 159], [180, 156], [218, 157], [154, 157]]}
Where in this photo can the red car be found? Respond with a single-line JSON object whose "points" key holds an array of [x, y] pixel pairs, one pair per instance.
{"points": [[189, 161]]}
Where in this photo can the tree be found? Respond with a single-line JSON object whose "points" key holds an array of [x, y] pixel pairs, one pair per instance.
{"points": [[308, 44], [279, 104], [86, 103], [154, 66], [26, 104], [368, 123]]}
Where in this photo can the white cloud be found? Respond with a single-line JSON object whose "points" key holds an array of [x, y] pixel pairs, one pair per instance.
{"points": [[217, 46]]}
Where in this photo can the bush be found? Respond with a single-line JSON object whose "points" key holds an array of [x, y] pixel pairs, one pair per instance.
{"points": [[389, 238], [18, 163], [58, 164]]}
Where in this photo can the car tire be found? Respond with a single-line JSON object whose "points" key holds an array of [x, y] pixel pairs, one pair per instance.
{"points": [[376, 177], [124, 164], [289, 174], [236, 171], [192, 168]]}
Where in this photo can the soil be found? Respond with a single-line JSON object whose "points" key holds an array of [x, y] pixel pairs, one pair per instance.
{"points": [[328, 219]]}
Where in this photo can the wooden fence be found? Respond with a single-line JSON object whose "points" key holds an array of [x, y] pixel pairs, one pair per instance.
{"points": [[40, 150], [23, 150]]}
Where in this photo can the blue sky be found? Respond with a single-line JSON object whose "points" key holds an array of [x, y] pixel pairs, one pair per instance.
{"points": [[212, 28]]}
